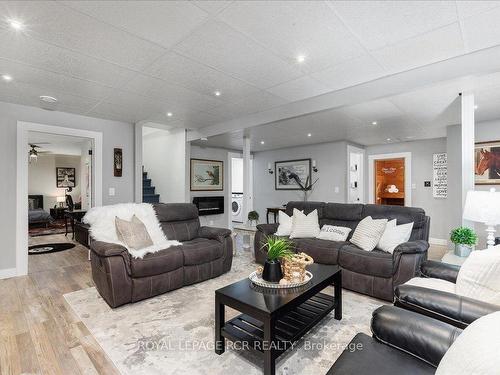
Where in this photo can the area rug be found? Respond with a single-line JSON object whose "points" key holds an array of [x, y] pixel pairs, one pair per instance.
{"points": [[174, 333], [49, 248], [56, 227]]}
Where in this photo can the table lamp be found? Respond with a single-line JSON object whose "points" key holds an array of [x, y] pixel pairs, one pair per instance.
{"points": [[61, 201], [484, 207]]}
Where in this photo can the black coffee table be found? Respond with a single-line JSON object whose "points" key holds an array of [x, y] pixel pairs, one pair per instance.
{"points": [[272, 320]]}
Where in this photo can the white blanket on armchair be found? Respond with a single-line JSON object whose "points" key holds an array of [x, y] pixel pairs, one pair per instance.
{"points": [[102, 225]]}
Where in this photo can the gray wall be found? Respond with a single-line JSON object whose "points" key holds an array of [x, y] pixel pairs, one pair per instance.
{"points": [[115, 134], [421, 170], [331, 159]]}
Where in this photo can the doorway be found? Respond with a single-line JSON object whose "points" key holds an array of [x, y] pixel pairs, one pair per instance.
{"points": [[390, 179], [355, 167], [235, 174]]}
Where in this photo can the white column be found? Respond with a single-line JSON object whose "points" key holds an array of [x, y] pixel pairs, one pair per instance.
{"points": [[468, 126], [138, 162], [247, 198]]}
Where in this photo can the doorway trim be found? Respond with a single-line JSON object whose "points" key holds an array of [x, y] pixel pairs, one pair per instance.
{"points": [[361, 183], [371, 174], [23, 129]]}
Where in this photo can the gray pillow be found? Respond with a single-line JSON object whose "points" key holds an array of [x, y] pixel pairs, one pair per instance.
{"points": [[133, 233]]}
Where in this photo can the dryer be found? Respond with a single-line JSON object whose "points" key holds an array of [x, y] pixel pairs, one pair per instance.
{"points": [[236, 207]]}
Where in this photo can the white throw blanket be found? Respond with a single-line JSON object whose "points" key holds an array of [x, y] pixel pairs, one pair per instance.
{"points": [[102, 225]]}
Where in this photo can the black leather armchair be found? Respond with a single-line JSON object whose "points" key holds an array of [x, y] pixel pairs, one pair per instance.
{"points": [[403, 342], [450, 308]]}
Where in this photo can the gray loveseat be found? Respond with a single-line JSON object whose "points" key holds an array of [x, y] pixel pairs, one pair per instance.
{"points": [[375, 273], [205, 253]]}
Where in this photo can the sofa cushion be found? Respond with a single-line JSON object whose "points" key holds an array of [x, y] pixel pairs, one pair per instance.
{"points": [[375, 262], [322, 251], [201, 250], [343, 211], [306, 207], [181, 230], [157, 263]]}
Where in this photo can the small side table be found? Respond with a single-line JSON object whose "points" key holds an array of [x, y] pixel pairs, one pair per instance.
{"points": [[245, 230], [451, 258], [275, 211]]}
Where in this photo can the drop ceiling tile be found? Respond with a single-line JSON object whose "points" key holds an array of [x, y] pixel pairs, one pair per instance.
{"points": [[48, 57], [482, 31], [223, 48], [292, 28], [380, 23], [298, 89], [162, 22], [424, 49], [67, 28], [470, 8], [212, 6], [177, 69], [376, 110], [358, 70]]}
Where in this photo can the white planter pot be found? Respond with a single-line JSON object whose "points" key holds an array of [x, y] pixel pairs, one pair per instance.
{"points": [[462, 250]]}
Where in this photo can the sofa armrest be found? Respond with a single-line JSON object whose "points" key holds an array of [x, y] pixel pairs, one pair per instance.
{"points": [[211, 233], [439, 270], [107, 249], [267, 229], [448, 307], [412, 247], [423, 337]]}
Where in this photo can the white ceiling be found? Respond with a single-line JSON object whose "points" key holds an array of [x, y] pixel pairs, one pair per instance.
{"points": [[136, 60], [57, 144]]}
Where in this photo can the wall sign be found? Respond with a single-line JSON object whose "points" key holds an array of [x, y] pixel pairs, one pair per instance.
{"points": [[440, 175]]}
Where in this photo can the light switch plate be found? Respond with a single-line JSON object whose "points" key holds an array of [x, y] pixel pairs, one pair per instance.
{"points": [[111, 192], [337, 190], [413, 186]]}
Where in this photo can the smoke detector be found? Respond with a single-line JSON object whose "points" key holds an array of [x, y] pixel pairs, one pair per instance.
{"points": [[48, 102]]}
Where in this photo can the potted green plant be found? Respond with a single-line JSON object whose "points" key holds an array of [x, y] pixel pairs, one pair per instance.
{"points": [[463, 238], [277, 249], [253, 216]]}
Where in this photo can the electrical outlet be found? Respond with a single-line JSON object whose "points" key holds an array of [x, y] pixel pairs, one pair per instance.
{"points": [[111, 192], [211, 223], [413, 186], [337, 189]]}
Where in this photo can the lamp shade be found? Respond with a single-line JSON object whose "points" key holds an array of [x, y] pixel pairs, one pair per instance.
{"points": [[483, 207], [61, 199]]}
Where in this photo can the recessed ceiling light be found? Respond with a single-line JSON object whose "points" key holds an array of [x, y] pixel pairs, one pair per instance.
{"points": [[475, 107], [262, 142], [6, 77], [169, 114], [48, 99], [388, 139], [15, 24], [374, 122], [301, 58], [217, 93], [309, 134], [203, 139]]}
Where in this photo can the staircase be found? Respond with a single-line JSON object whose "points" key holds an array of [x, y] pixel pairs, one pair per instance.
{"points": [[148, 191]]}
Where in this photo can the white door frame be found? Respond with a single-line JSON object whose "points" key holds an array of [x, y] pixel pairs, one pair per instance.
{"points": [[371, 174], [361, 182], [229, 176], [23, 128]]}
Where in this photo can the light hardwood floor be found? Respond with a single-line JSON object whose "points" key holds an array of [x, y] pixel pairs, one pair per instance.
{"points": [[39, 333]]}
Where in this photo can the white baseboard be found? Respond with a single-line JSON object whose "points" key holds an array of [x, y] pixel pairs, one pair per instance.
{"points": [[438, 241], [8, 272]]}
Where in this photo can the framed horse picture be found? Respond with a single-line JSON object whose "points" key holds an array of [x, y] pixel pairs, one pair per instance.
{"points": [[487, 163]]}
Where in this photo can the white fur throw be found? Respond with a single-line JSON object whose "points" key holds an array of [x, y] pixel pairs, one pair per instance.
{"points": [[102, 225]]}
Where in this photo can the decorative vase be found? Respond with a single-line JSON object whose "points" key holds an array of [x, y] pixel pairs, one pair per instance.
{"points": [[272, 271], [462, 250]]}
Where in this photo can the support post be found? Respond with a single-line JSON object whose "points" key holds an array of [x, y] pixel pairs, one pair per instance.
{"points": [[247, 198], [468, 127]]}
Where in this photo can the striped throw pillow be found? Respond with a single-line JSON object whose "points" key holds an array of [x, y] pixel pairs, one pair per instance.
{"points": [[304, 226], [368, 233]]}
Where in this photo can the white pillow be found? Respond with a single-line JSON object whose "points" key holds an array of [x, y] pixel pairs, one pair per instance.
{"points": [[394, 235], [479, 276], [475, 351], [368, 233], [304, 226], [333, 233], [285, 227]]}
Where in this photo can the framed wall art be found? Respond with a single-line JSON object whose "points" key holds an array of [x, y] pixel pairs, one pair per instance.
{"points": [[487, 163], [288, 172], [117, 162], [207, 175], [65, 177]]}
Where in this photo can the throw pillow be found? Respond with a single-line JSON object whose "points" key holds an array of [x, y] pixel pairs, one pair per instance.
{"points": [[285, 227], [479, 276], [368, 233], [333, 233], [394, 235], [133, 233], [475, 351], [304, 226]]}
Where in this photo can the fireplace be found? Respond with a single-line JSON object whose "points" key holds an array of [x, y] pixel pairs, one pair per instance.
{"points": [[211, 205]]}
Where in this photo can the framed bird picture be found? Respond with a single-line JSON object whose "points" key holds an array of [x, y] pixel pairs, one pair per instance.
{"points": [[207, 175]]}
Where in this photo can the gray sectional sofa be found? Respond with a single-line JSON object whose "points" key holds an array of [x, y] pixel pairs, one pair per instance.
{"points": [[205, 253], [375, 273]]}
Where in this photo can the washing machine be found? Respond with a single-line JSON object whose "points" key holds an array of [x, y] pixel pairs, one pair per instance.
{"points": [[236, 206]]}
